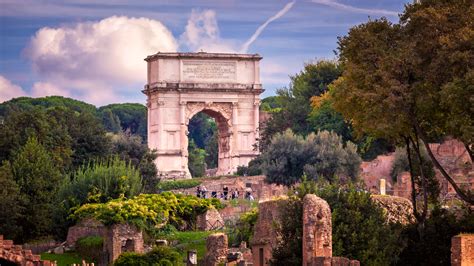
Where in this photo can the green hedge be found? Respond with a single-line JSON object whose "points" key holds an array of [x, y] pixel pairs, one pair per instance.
{"points": [[90, 247], [178, 184], [159, 256]]}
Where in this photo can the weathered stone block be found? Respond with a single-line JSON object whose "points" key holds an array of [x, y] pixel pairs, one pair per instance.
{"points": [[317, 228], [462, 250], [210, 220], [217, 250]]}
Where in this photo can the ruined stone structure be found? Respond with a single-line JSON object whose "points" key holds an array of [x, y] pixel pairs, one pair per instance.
{"points": [[19, 256], [395, 209], [223, 86], [122, 238], [265, 237], [216, 245], [210, 220], [317, 229], [462, 250], [118, 238]]}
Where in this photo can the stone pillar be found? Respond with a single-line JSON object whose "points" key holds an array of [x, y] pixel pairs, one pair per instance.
{"points": [[382, 186], [216, 245], [462, 250], [317, 229]]}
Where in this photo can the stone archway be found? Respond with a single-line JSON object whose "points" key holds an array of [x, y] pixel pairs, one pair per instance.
{"points": [[222, 114], [224, 86]]}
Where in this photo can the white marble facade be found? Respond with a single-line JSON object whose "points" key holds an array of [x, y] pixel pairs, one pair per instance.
{"points": [[225, 86]]}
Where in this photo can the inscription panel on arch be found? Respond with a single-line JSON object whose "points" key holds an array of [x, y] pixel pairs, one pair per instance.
{"points": [[207, 71]]}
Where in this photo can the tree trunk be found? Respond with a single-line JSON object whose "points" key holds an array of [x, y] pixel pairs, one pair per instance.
{"points": [[465, 196]]}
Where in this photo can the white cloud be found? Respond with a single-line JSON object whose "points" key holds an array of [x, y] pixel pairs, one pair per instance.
{"points": [[8, 90], [354, 9], [41, 89], [202, 33], [259, 30]]}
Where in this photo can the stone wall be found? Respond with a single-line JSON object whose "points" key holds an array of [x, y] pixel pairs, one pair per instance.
{"points": [[122, 238], [86, 227], [210, 220], [265, 237], [317, 228], [216, 245], [20, 256], [396, 209], [462, 250]]}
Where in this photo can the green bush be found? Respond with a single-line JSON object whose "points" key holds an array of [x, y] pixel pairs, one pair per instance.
{"points": [[359, 230], [90, 247], [178, 184], [159, 256], [149, 211], [243, 229]]}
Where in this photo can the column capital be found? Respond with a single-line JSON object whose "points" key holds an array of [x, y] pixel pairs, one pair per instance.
{"points": [[160, 103]]}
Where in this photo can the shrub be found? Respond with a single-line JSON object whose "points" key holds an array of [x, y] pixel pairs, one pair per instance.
{"points": [[90, 247], [254, 168], [243, 229], [160, 256], [359, 230], [178, 184], [149, 211], [320, 156]]}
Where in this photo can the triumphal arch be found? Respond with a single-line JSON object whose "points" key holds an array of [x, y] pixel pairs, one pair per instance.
{"points": [[224, 86]]}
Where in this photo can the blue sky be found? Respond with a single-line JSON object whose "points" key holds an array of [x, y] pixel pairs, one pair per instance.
{"points": [[94, 50]]}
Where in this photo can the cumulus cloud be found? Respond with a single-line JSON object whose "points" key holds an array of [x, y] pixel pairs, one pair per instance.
{"points": [[8, 90], [354, 9], [91, 57], [202, 33], [259, 30]]}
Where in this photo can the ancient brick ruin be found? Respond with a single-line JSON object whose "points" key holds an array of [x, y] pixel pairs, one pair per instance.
{"points": [[16, 254], [210, 220], [217, 250], [462, 250], [317, 229], [396, 209], [118, 238]]}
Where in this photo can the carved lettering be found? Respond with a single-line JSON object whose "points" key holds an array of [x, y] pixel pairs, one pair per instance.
{"points": [[209, 71]]}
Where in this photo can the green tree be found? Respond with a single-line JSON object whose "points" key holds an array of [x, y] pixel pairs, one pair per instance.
{"points": [[359, 230], [132, 117], [38, 180], [12, 205], [110, 121], [320, 156], [403, 82], [196, 160]]}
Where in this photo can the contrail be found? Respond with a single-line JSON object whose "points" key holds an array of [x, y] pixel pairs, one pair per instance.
{"points": [[280, 13], [349, 8]]}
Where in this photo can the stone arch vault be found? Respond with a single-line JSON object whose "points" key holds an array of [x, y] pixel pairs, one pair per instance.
{"points": [[224, 86]]}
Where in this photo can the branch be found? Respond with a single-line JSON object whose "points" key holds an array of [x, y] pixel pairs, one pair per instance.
{"points": [[465, 196], [469, 151], [412, 177], [423, 178]]}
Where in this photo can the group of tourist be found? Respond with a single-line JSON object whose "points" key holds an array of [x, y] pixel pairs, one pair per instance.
{"points": [[225, 194]]}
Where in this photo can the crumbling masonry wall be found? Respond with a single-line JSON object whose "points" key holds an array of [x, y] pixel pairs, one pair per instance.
{"points": [[317, 228], [462, 250], [20, 256]]}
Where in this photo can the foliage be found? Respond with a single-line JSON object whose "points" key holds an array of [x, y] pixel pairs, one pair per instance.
{"points": [[203, 132], [130, 148], [244, 227], [196, 160], [178, 184], [188, 240], [148, 211], [320, 156], [432, 247], [159, 256], [359, 230], [12, 206], [65, 259], [29, 104], [294, 102], [131, 116], [406, 81], [37, 179], [90, 247], [254, 168]]}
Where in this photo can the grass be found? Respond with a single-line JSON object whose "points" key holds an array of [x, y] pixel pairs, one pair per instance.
{"points": [[65, 259], [190, 240], [242, 202], [178, 184]]}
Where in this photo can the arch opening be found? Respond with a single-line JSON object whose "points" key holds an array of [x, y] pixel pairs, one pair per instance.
{"points": [[208, 143]]}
